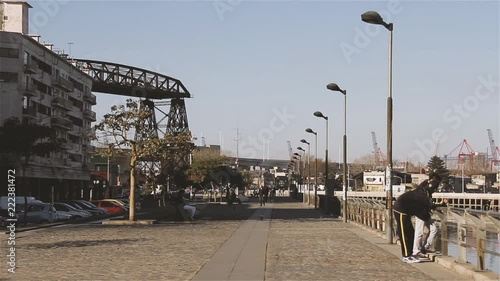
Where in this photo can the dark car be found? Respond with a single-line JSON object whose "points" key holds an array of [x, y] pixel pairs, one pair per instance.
{"points": [[88, 206], [5, 215]]}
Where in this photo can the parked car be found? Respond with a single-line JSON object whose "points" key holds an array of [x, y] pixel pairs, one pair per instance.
{"points": [[127, 203], [66, 209], [87, 206], [112, 207], [5, 215], [117, 201], [37, 213]]}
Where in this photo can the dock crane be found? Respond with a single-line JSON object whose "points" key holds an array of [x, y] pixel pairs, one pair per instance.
{"points": [[379, 156], [495, 152]]}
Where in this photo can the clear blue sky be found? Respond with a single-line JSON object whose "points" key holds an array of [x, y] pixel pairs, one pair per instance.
{"points": [[249, 64]]}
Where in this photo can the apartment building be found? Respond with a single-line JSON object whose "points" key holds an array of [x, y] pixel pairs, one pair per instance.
{"points": [[39, 85]]}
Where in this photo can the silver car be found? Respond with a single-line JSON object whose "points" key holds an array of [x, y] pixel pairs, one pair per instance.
{"points": [[36, 213]]}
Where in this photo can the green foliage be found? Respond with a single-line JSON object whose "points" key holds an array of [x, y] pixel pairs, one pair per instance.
{"points": [[117, 127], [437, 167], [25, 140], [205, 162]]}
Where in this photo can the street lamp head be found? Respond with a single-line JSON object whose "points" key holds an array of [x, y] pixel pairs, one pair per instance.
{"points": [[319, 114], [304, 141], [309, 130], [301, 149], [373, 17], [334, 87]]}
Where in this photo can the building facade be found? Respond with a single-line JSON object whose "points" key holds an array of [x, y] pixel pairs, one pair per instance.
{"points": [[40, 86]]}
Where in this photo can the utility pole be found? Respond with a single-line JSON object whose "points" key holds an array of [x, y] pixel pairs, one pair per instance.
{"points": [[69, 52], [237, 147]]}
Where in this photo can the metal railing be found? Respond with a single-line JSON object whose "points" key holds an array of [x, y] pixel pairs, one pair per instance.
{"points": [[473, 227]]}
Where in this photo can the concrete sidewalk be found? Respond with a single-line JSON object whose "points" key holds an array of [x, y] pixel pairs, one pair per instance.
{"points": [[293, 242]]}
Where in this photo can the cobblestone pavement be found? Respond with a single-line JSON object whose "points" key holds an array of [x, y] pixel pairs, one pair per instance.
{"points": [[301, 246]]}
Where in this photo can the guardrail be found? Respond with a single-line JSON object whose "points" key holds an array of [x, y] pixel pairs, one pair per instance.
{"points": [[473, 228]]}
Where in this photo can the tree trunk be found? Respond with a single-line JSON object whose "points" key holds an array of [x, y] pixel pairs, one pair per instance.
{"points": [[132, 189]]}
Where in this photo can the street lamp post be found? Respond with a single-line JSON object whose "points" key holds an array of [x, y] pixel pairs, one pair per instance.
{"points": [[299, 157], [463, 180], [303, 168], [375, 18], [320, 115], [308, 171], [309, 130], [335, 87]]}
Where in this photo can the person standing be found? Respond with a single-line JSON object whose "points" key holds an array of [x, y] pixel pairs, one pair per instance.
{"points": [[411, 203], [263, 191]]}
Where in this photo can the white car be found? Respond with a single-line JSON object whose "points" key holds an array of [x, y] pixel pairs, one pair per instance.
{"points": [[65, 211]]}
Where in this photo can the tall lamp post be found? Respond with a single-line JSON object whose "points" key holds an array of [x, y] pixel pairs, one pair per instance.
{"points": [[308, 171], [375, 18], [310, 131], [336, 88], [320, 115], [303, 169], [299, 157]]}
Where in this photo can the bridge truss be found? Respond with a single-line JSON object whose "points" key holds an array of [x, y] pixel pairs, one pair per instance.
{"points": [[154, 90]]}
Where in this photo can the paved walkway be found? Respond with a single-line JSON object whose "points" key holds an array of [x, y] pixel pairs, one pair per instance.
{"points": [[291, 242]]}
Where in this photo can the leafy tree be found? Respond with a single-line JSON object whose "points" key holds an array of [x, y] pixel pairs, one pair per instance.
{"points": [[20, 141], [438, 168], [125, 118], [205, 163]]}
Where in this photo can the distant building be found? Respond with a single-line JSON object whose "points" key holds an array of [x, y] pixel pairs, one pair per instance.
{"points": [[38, 85]]}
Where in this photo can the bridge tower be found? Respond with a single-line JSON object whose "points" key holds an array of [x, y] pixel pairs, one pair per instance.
{"points": [[123, 80]]}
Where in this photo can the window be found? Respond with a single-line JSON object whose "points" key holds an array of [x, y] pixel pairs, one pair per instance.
{"points": [[9, 53], [8, 77], [35, 208]]}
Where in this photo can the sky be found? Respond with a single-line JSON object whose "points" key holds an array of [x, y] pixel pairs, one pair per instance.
{"points": [[258, 70]]}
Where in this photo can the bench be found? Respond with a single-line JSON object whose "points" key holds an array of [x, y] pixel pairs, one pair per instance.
{"points": [[180, 213]]}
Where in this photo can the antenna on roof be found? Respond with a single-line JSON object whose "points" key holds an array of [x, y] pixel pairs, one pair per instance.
{"points": [[69, 53]]}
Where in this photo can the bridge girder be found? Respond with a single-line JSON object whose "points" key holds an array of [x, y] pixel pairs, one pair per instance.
{"points": [[131, 81]]}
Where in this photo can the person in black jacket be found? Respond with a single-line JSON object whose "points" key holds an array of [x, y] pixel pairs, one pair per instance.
{"points": [[422, 244], [411, 203]]}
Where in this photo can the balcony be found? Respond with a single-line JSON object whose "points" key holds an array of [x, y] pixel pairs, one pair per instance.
{"points": [[29, 89], [29, 112], [88, 149], [62, 83], [77, 131], [89, 114], [31, 67], [61, 122], [62, 103], [67, 145], [89, 97]]}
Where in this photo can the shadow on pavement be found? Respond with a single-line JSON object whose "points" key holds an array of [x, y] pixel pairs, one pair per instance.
{"points": [[81, 243]]}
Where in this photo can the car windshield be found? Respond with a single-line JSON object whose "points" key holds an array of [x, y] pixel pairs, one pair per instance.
{"points": [[75, 205], [88, 204]]}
